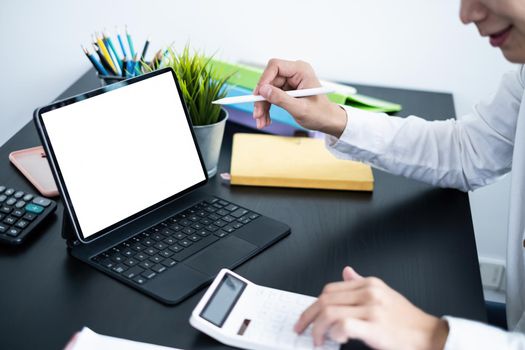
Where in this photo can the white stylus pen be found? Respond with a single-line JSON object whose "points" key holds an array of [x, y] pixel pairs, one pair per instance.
{"points": [[256, 98]]}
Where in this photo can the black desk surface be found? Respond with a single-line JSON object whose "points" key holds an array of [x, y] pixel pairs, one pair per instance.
{"points": [[419, 239]]}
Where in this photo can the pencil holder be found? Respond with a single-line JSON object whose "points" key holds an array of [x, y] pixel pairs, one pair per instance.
{"points": [[110, 79]]}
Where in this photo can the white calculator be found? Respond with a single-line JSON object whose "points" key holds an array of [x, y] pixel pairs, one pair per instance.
{"points": [[240, 313]]}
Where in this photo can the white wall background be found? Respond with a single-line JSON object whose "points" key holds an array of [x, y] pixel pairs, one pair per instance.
{"points": [[404, 43]]}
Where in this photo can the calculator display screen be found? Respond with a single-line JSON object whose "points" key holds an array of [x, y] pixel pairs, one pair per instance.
{"points": [[122, 151], [223, 300]]}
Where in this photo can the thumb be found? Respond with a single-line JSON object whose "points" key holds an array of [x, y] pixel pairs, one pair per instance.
{"points": [[278, 97], [349, 274]]}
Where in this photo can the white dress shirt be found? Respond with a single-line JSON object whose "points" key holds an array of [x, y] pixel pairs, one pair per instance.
{"points": [[467, 153]]}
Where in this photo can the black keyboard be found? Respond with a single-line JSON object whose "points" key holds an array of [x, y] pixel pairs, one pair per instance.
{"points": [[21, 213], [162, 246]]}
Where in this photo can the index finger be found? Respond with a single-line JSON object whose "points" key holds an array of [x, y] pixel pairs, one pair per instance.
{"points": [[277, 68]]}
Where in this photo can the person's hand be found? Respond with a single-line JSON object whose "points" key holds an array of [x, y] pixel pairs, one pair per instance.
{"points": [[314, 113], [368, 310]]}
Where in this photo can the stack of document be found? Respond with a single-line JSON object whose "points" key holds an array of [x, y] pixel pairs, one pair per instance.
{"points": [[244, 78]]}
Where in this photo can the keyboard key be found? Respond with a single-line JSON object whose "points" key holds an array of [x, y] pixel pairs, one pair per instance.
{"points": [[194, 218], [42, 201], [228, 228], [239, 212], [175, 248], [149, 274], [166, 253], [22, 224], [3, 197], [253, 216], [156, 258], [211, 200], [3, 228], [220, 233], [206, 222], [197, 226], [159, 268], [217, 205], [2, 189], [188, 230], [185, 243], [231, 207], [185, 222], [212, 228], [194, 238], [119, 268], [147, 264], [138, 247], [140, 256], [29, 217], [223, 202], [220, 223], [139, 279], [179, 235], [157, 237], [18, 194], [128, 252], [160, 246], [201, 213], [214, 217], [237, 225], [203, 233], [176, 227], [10, 201], [20, 204], [35, 209], [151, 251], [210, 209], [9, 192], [134, 271], [118, 258], [169, 262], [108, 264], [228, 218], [131, 262], [222, 212], [166, 232], [244, 220], [170, 241], [28, 197], [148, 241], [197, 246]]}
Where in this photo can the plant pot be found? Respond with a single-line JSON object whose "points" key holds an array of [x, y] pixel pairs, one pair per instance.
{"points": [[209, 138]]}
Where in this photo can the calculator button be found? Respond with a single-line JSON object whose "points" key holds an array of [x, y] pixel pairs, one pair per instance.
{"points": [[6, 209], [185, 243], [169, 262], [9, 192], [13, 232], [18, 194], [3, 228], [119, 268], [131, 262], [140, 256], [176, 248], [2, 189], [22, 224], [239, 212], [146, 264], [11, 201], [20, 204], [42, 201], [9, 220], [156, 258], [220, 233], [18, 213], [33, 208], [166, 253], [3, 197], [29, 217], [28, 197]]}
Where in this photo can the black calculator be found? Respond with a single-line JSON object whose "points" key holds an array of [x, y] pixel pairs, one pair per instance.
{"points": [[21, 213]]}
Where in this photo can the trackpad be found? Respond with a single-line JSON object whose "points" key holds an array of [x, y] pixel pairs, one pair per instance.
{"points": [[228, 252]]}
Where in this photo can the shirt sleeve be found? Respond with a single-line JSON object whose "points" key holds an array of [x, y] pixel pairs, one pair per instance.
{"points": [[467, 153], [466, 334]]}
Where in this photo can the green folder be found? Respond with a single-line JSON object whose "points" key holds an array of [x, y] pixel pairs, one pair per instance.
{"points": [[247, 77]]}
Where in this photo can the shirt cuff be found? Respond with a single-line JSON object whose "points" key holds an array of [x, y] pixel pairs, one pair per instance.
{"points": [[466, 334], [363, 132]]}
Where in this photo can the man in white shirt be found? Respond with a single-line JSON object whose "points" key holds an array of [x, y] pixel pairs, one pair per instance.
{"points": [[466, 153]]}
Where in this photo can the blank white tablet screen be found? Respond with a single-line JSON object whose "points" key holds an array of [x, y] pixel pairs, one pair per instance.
{"points": [[123, 151]]}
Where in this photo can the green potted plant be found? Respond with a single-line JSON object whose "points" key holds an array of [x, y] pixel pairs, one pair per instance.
{"points": [[200, 85]]}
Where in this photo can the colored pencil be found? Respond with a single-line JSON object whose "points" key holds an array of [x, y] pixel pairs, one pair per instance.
{"points": [[112, 47], [145, 49], [106, 54], [130, 43], [124, 54], [100, 69], [103, 60]]}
